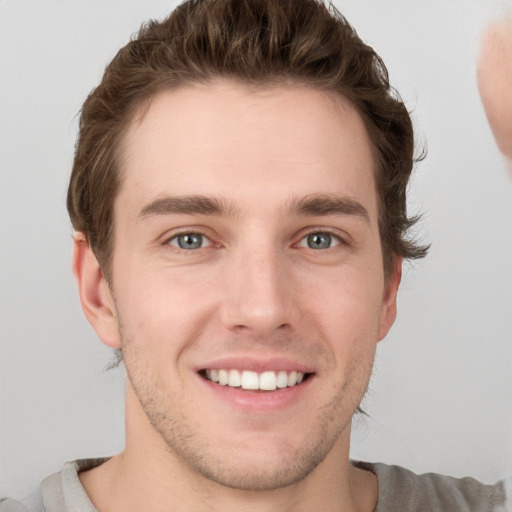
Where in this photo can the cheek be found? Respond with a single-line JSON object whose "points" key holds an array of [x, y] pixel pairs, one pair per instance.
{"points": [[161, 317], [164, 308], [345, 313], [348, 299]]}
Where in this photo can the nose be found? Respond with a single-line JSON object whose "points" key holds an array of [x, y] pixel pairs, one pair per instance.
{"points": [[258, 297]]}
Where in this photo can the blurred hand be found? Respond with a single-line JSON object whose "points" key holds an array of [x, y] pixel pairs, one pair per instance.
{"points": [[495, 82]]}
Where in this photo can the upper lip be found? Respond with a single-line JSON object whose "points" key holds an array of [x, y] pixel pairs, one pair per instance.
{"points": [[256, 364]]}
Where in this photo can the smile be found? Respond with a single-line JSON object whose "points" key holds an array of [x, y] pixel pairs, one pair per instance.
{"points": [[250, 380]]}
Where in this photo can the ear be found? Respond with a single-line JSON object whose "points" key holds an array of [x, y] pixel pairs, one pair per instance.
{"points": [[95, 296], [388, 307]]}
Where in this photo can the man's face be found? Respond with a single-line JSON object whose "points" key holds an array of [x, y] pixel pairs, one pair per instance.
{"points": [[247, 249]]}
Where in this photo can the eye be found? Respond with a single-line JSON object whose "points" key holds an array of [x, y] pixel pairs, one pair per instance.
{"points": [[189, 241], [320, 240]]}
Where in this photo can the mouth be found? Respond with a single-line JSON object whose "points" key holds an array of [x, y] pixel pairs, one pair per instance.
{"points": [[255, 381]]}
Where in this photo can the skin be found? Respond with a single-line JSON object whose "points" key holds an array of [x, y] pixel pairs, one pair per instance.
{"points": [[495, 82], [255, 290]]}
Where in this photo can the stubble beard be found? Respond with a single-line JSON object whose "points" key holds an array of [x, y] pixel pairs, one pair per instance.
{"points": [[185, 444]]}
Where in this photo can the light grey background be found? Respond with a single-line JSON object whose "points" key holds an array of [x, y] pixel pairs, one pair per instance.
{"points": [[440, 398]]}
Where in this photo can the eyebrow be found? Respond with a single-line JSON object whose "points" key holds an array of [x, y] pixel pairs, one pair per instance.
{"points": [[311, 205], [195, 204], [328, 204]]}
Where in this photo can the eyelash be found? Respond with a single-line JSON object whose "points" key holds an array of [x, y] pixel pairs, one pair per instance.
{"points": [[322, 231], [313, 231], [197, 232]]}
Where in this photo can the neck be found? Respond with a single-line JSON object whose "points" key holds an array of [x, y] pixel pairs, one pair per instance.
{"points": [[147, 475]]}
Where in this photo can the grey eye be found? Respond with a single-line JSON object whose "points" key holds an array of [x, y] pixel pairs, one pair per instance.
{"points": [[189, 241], [319, 241]]}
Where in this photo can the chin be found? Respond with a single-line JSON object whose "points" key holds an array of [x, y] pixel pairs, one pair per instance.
{"points": [[256, 461], [254, 472]]}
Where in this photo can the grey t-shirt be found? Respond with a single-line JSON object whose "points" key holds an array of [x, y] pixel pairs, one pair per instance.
{"points": [[400, 490]]}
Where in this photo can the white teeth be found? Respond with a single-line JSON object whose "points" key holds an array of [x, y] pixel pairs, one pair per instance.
{"points": [[282, 379], [234, 379], [250, 380], [266, 381], [223, 377]]}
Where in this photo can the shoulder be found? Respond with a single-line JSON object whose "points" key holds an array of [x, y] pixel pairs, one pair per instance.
{"points": [[33, 503], [60, 492], [401, 489]]}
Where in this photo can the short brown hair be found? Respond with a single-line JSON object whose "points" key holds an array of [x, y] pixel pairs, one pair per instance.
{"points": [[259, 42]]}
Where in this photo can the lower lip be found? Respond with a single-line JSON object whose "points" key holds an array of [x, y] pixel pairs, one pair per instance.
{"points": [[263, 401]]}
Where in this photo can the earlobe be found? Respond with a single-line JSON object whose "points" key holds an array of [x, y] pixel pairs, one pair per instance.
{"points": [[95, 297], [388, 308]]}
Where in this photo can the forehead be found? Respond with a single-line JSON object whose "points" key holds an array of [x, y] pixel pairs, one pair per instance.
{"points": [[226, 139]]}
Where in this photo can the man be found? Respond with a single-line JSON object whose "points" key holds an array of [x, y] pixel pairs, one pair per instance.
{"points": [[238, 199]]}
